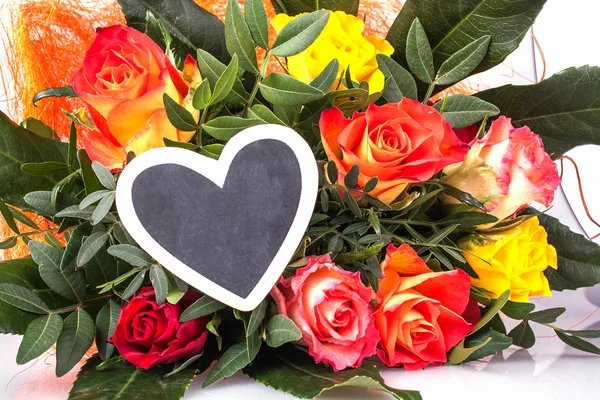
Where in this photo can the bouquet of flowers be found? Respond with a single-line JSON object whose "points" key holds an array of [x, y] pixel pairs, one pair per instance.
{"points": [[421, 240]]}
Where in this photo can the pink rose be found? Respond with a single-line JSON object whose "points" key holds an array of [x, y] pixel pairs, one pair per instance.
{"points": [[506, 170], [332, 309]]}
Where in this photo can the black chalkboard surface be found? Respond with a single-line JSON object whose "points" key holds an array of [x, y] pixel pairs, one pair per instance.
{"points": [[227, 227]]}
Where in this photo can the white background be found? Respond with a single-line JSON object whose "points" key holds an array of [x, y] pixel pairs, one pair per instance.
{"points": [[567, 31]]}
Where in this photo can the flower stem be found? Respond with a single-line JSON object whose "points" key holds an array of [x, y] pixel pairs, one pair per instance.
{"points": [[429, 91]]}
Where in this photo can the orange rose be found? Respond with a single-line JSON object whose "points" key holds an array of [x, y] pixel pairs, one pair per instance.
{"points": [[123, 79], [420, 311], [398, 143]]}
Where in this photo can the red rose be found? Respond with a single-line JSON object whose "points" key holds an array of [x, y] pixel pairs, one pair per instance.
{"points": [[332, 309], [420, 314], [148, 334], [399, 143]]}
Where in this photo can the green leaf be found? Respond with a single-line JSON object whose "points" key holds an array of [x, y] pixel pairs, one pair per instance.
{"points": [[281, 330], [178, 115], [72, 144], [371, 185], [39, 128], [300, 33], [199, 101], [491, 311], [90, 180], [335, 245], [200, 308], [86, 214], [134, 285], [40, 335], [548, 316], [517, 310], [578, 257], [586, 333], [105, 177], [281, 89], [121, 234], [259, 111], [578, 343], [256, 317], [351, 178], [332, 174], [325, 80], [226, 127], [496, 343], [8, 217], [182, 145], [193, 27], [103, 208], [460, 64], [239, 39], [44, 168], [256, 18], [399, 82], [450, 27], [295, 7], [130, 254], [22, 218], [160, 282], [212, 150], [18, 147], [234, 359], [463, 197], [523, 335], [67, 283], [90, 247], [22, 298], [225, 82], [563, 109], [41, 201], [467, 219], [296, 373], [106, 322], [9, 243], [124, 381], [418, 53], [93, 198], [212, 69], [461, 111], [62, 91], [76, 338]]}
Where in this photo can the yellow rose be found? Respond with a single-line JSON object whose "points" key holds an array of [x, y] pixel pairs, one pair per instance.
{"points": [[342, 39], [514, 259]]}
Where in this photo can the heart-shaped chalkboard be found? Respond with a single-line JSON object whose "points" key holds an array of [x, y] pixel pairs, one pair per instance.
{"points": [[227, 227]]}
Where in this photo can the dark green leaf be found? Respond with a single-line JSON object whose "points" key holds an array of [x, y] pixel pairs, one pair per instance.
{"points": [[93, 198], [212, 69], [578, 257], [352, 204], [130, 254], [224, 128], [332, 174], [179, 116], [258, 111], [335, 245], [193, 27], [463, 197], [548, 316], [497, 343], [160, 282], [325, 80], [39, 128], [182, 145], [41, 201], [22, 218], [63, 91], [418, 53], [212, 150], [103, 208], [586, 333], [399, 82], [300, 33], [468, 219], [491, 311], [134, 285], [578, 343], [281, 89], [123, 380], [67, 283], [22, 298], [517, 310], [44, 168], [256, 317], [40, 335], [201, 307], [20, 146], [9, 243], [86, 214], [121, 234], [461, 111], [256, 18], [106, 322], [296, 373], [238, 37], [371, 185], [8, 216], [90, 180], [225, 83], [523, 335], [76, 338], [450, 27], [90, 247], [72, 144], [460, 64], [234, 359], [105, 177], [563, 109], [281, 330], [295, 7], [351, 178]]}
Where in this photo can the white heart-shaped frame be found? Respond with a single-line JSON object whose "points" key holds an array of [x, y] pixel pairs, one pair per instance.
{"points": [[216, 171]]}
